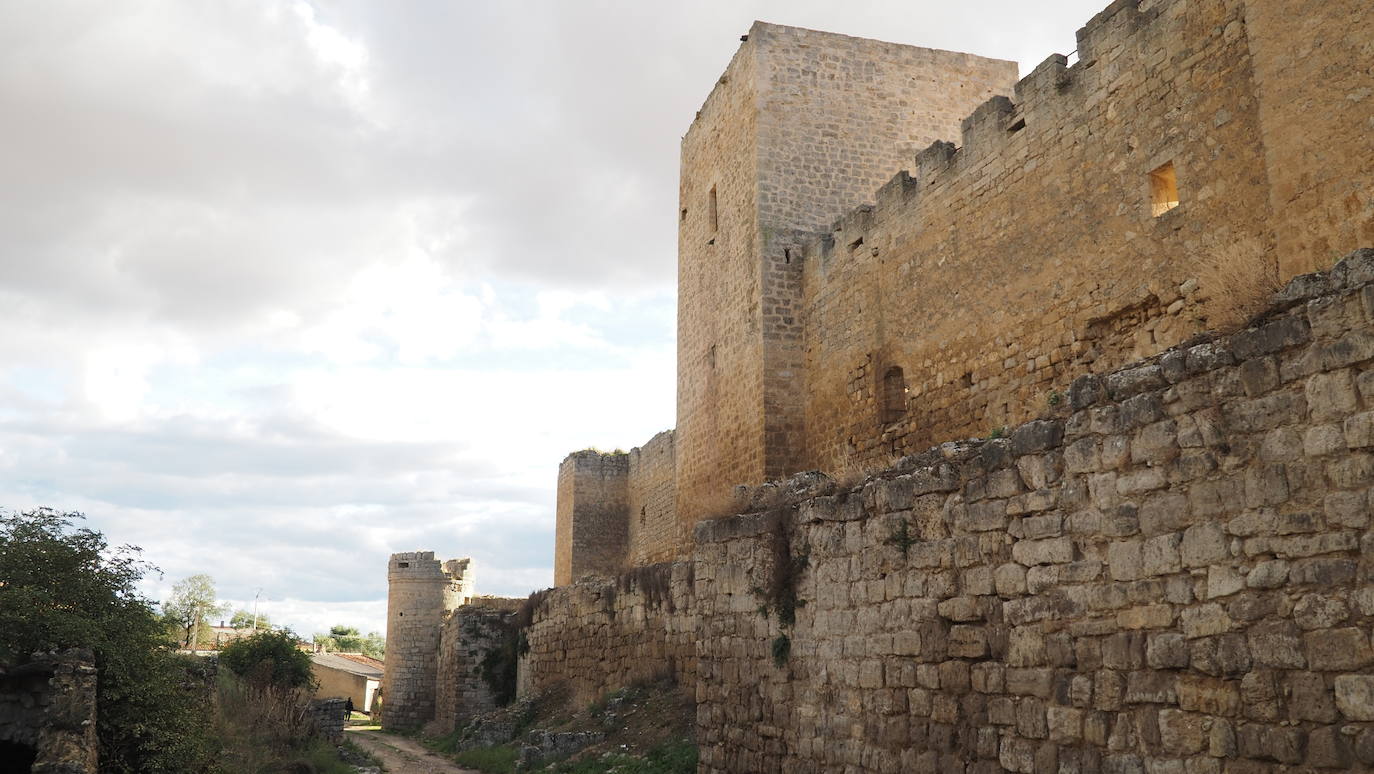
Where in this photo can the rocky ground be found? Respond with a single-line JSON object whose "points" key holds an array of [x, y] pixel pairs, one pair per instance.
{"points": [[646, 728]]}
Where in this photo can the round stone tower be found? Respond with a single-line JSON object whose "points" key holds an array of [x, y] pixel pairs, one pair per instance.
{"points": [[421, 590]]}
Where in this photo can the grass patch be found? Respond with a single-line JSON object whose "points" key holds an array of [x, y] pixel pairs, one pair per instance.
{"points": [[322, 758], [678, 757], [492, 760]]}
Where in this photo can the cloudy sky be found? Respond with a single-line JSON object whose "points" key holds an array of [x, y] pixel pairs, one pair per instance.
{"points": [[288, 286]]}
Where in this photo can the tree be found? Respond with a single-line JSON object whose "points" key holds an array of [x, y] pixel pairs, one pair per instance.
{"points": [[374, 645], [63, 587], [269, 660], [191, 607], [347, 639], [244, 619]]}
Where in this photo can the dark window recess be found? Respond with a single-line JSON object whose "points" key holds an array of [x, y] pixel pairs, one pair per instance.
{"points": [[1017, 125], [712, 213], [893, 395], [786, 255], [856, 244], [403, 564], [684, 215]]}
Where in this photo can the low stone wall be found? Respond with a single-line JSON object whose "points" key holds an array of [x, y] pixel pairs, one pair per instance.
{"points": [[1174, 574], [601, 634], [48, 714], [326, 718], [470, 635]]}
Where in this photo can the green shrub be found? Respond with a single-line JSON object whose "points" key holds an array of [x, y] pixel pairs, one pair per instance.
{"points": [[492, 760], [269, 659]]}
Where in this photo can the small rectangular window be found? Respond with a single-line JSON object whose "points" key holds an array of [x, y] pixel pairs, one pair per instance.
{"points": [[403, 564], [684, 215], [1163, 189], [711, 211]]}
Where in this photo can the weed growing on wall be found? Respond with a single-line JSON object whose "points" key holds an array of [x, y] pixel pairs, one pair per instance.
{"points": [[1238, 278], [902, 538], [654, 581], [780, 594]]}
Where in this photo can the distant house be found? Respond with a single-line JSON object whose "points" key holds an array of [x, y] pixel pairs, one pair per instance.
{"points": [[347, 676], [219, 636]]}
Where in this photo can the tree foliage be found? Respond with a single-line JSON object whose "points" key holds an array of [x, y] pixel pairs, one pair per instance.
{"points": [[244, 619], [346, 639], [192, 606], [269, 660], [63, 587]]}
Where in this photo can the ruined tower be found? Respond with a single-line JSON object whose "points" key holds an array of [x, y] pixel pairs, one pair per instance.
{"points": [[421, 590], [800, 127]]}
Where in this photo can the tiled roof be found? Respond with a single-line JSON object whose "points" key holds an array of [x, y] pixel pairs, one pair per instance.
{"points": [[353, 664]]}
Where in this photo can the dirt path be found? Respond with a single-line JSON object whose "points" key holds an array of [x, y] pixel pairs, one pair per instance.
{"points": [[401, 755]]}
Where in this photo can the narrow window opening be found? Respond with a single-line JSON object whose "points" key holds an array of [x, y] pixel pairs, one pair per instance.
{"points": [[711, 211], [968, 379], [711, 356], [1017, 126], [856, 244], [786, 255], [1163, 189], [403, 564], [894, 395], [683, 217]]}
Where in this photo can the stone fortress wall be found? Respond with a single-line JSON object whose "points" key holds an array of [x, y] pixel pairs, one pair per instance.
{"points": [[1031, 252], [1171, 571], [1162, 567], [989, 274], [801, 125]]}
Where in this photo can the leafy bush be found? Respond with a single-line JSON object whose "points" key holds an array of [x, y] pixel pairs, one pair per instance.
{"points": [[65, 588], [269, 660]]}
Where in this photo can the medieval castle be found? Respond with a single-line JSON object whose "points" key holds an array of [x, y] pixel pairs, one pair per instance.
{"points": [[1155, 558]]}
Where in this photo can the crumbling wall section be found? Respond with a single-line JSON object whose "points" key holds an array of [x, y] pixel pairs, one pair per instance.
{"points": [[48, 714], [1172, 571], [654, 532], [470, 652], [602, 634]]}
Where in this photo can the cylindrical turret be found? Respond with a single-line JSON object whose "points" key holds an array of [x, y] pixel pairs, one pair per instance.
{"points": [[421, 590]]}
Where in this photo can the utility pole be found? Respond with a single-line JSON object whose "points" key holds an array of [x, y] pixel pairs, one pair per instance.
{"points": [[255, 609]]}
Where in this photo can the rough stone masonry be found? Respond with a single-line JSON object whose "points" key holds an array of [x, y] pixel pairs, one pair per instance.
{"points": [[1171, 572], [883, 247]]}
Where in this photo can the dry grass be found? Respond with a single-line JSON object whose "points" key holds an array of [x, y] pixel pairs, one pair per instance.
{"points": [[851, 469], [1238, 278], [266, 731], [720, 504]]}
